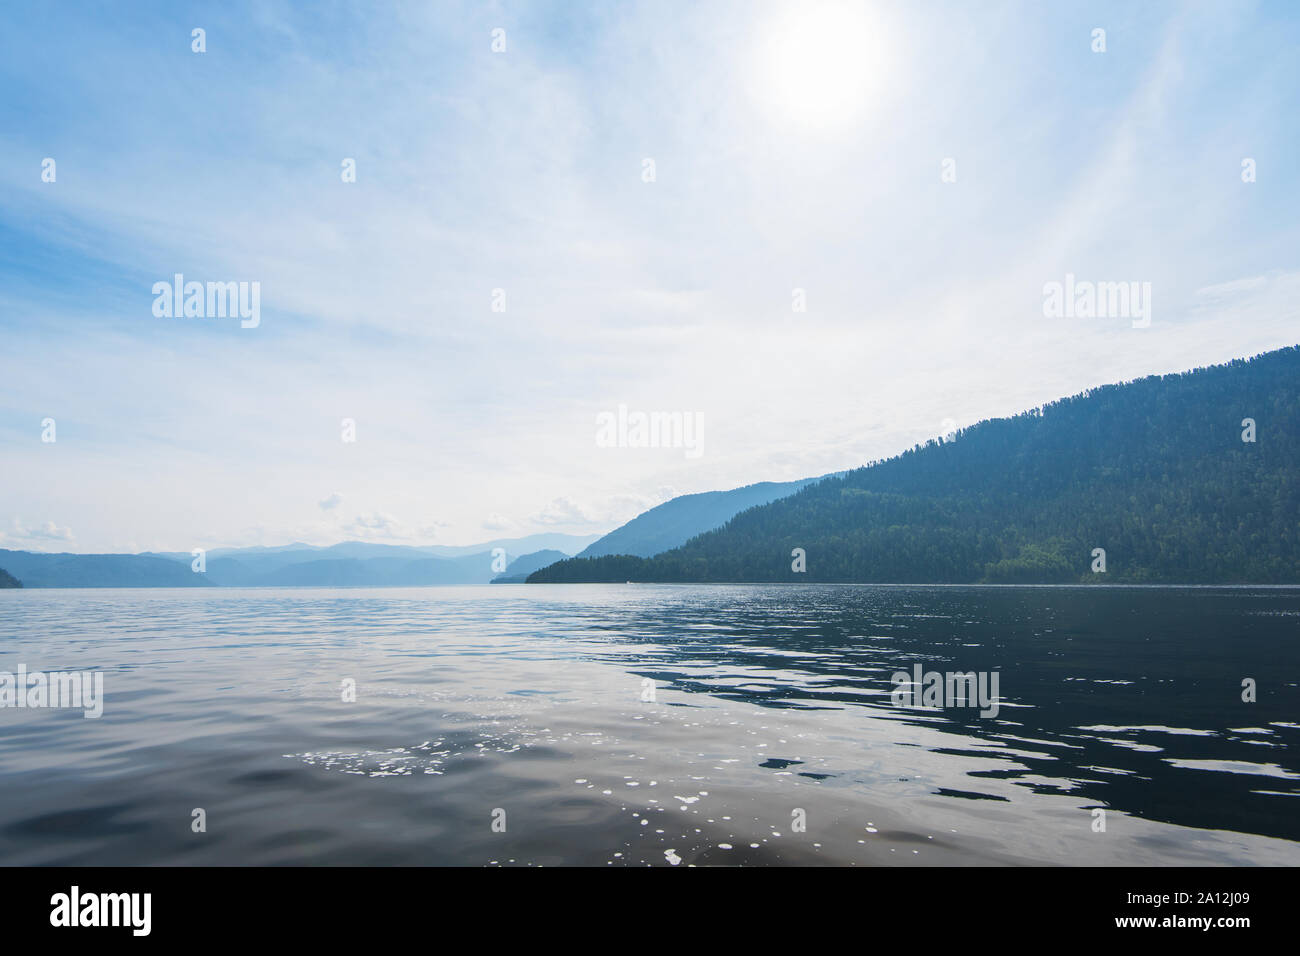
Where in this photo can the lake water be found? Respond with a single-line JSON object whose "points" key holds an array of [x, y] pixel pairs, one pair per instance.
{"points": [[523, 705]]}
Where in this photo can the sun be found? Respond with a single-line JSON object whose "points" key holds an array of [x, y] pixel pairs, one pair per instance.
{"points": [[822, 62]]}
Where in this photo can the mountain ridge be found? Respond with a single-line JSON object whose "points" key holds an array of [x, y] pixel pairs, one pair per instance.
{"points": [[346, 564], [676, 521], [1152, 471]]}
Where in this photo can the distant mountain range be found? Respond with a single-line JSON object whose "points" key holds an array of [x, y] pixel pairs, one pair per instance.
{"points": [[352, 563], [38, 570], [364, 564], [1185, 478], [7, 580]]}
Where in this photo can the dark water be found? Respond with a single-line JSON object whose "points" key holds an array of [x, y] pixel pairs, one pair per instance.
{"points": [[772, 704]]}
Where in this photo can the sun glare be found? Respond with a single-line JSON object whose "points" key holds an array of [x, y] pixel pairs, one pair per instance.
{"points": [[821, 62]]}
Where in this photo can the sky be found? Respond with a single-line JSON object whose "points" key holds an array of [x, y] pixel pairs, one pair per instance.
{"points": [[821, 230]]}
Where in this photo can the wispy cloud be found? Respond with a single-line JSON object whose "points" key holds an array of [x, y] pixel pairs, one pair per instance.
{"points": [[522, 172], [37, 537]]}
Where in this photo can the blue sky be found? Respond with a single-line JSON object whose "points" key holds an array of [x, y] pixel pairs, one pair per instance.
{"points": [[785, 158]]}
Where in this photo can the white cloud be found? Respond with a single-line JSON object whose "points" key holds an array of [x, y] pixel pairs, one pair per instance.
{"points": [[1234, 287], [377, 524], [564, 512], [382, 526], [520, 172], [497, 522], [45, 533]]}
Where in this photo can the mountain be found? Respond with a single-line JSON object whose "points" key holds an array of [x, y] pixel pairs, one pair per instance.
{"points": [[39, 570], [365, 564], [547, 540], [1154, 471], [257, 567], [678, 520], [384, 572], [349, 564], [7, 580], [521, 567]]}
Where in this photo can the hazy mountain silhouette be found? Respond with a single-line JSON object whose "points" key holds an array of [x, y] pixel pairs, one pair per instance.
{"points": [[38, 570], [350, 563], [677, 521]]}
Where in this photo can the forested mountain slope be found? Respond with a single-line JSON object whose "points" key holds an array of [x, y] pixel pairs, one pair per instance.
{"points": [[1154, 471]]}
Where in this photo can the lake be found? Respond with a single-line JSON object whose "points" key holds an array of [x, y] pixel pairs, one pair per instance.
{"points": [[543, 725]]}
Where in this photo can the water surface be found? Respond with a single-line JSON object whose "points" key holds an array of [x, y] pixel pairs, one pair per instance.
{"points": [[772, 705]]}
